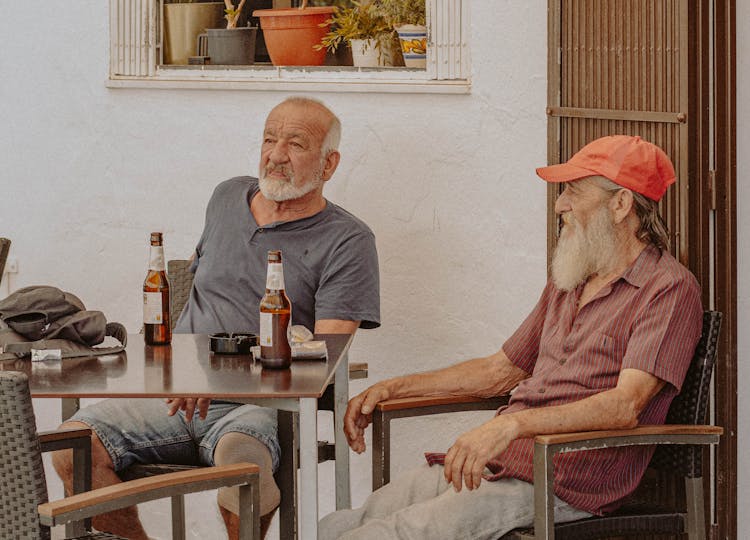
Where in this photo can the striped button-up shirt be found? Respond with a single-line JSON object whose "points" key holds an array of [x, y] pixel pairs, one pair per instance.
{"points": [[648, 319]]}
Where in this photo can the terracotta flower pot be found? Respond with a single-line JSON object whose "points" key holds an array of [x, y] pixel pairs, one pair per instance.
{"points": [[291, 34]]}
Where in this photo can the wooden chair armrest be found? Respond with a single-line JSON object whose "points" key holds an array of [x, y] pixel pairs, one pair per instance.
{"points": [[647, 434], [106, 499], [546, 446], [62, 438], [358, 370], [432, 401]]}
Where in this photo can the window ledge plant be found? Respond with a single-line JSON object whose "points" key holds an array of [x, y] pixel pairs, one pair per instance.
{"points": [[409, 18], [400, 12], [232, 13], [364, 24]]}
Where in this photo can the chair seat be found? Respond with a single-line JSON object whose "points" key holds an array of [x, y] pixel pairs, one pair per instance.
{"points": [[145, 470], [632, 518], [326, 452], [98, 536]]}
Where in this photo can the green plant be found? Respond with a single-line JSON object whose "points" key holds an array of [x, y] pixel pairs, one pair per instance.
{"points": [[361, 21], [398, 12]]}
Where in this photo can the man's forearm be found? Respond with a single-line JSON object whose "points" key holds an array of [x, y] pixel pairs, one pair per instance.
{"points": [[617, 408], [481, 377], [594, 413]]}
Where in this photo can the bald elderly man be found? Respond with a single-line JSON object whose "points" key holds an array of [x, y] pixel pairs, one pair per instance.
{"points": [[332, 280]]}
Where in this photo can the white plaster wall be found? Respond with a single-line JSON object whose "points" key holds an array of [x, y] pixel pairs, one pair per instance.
{"points": [[86, 172], [446, 183], [743, 264]]}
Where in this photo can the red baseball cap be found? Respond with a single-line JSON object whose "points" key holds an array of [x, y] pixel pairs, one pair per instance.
{"points": [[626, 160]]}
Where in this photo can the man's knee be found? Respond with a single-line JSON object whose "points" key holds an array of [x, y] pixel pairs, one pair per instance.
{"points": [[237, 447]]}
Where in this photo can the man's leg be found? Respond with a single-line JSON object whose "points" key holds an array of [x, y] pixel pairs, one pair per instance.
{"points": [[422, 505], [103, 474], [237, 447], [126, 432], [244, 434], [415, 486], [232, 522]]}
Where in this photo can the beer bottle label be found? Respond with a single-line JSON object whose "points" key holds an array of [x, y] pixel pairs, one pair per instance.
{"points": [[275, 276], [266, 329], [156, 258], [152, 308]]}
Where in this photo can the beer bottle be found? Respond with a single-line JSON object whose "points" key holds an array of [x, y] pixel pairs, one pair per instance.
{"points": [[275, 317], [157, 328]]}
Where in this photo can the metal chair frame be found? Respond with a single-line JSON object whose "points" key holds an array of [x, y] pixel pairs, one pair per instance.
{"points": [[4, 250]]}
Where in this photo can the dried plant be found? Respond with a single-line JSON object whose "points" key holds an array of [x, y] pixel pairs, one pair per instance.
{"points": [[232, 14], [363, 20], [398, 12]]}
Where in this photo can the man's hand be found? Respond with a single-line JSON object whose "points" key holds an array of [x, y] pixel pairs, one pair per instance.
{"points": [[188, 405], [466, 459], [359, 415]]}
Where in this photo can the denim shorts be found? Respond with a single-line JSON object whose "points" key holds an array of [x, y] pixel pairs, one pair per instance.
{"points": [[140, 431]]}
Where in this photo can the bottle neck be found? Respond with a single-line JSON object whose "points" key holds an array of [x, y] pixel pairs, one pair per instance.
{"points": [[156, 258], [275, 277]]}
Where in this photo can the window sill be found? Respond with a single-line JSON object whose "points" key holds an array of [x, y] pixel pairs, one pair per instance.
{"points": [[312, 79]]}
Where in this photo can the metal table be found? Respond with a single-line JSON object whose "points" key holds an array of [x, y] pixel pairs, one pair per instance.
{"points": [[186, 368]]}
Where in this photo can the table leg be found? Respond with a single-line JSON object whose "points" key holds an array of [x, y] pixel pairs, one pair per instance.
{"points": [[340, 401], [308, 459], [69, 406]]}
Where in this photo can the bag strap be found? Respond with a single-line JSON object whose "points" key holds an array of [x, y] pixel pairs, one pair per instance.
{"points": [[4, 355], [21, 349]]}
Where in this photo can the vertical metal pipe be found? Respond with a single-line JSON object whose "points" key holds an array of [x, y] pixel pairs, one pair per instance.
{"points": [[308, 442], [544, 500], [178, 517], [340, 401]]}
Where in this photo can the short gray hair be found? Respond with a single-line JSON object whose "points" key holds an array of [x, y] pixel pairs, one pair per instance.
{"points": [[652, 229], [333, 136]]}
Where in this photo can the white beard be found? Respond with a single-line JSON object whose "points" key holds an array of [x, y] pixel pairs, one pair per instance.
{"points": [[584, 251], [284, 189]]}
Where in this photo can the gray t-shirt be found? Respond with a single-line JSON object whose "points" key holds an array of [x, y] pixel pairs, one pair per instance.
{"points": [[330, 266]]}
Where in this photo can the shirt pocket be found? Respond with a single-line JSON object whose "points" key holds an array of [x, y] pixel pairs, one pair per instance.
{"points": [[600, 358]]}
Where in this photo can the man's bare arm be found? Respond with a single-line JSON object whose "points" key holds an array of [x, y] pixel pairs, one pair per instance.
{"points": [[617, 408], [335, 326], [491, 376]]}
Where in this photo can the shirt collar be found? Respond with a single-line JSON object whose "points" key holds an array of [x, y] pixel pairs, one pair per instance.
{"points": [[302, 223], [638, 273]]}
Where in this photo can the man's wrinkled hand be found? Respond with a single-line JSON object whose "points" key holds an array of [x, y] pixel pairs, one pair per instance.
{"points": [[466, 459], [188, 405], [359, 415]]}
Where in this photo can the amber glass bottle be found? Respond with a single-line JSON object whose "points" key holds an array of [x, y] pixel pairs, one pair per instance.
{"points": [[275, 317], [157, 328]]}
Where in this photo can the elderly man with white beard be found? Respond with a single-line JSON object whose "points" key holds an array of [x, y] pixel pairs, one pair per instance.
{"points": [[606, 347], [331, 278]]}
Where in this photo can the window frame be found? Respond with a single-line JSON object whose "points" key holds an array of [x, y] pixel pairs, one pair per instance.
{"points": [[135, 49]]}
